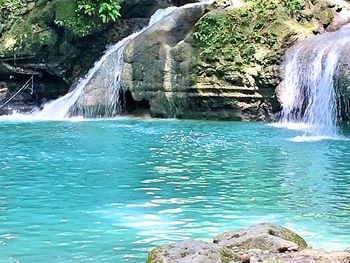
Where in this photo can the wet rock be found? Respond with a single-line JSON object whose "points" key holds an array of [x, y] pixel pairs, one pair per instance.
{"points": [[263, 237], [341, 16], [36, 39], [276, 238], [157, 65], [191, 251]]}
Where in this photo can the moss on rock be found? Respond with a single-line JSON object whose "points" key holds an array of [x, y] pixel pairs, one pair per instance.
{"points": [[252, 36]]}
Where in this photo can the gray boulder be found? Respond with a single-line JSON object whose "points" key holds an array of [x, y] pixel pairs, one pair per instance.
{"points": [[266, 243], [263, 236], [191, 251], [158, 64]]}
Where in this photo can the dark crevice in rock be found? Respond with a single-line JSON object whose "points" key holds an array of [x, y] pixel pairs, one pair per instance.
{"points": [[136, 108]]}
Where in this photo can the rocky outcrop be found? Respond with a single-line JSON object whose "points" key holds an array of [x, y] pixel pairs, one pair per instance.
{"points": [[267, 243], [48, 40], [191, 251], [216, 62], [158, 65], [212, 63], [262, 236]]}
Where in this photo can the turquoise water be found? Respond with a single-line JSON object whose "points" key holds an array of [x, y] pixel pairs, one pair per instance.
{"points": [[108, 191]]}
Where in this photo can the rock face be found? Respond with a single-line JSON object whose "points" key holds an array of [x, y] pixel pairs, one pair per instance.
{"points": [[217, 62], [158, 65], [343, 83], [48, 39], [208, 63], [265, 243]]}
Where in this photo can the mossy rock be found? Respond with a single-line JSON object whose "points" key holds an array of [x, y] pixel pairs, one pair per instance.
{"points": [[254, 35], [263, 236], [191, 251]]}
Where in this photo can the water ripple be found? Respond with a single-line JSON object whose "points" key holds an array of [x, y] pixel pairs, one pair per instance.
{"points": [[111, 190]]}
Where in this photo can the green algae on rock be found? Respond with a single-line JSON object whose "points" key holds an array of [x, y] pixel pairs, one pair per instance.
{"points": [[220, 62], [267, 243], [226, 66]]}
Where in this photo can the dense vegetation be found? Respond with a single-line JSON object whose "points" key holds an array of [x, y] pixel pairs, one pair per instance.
{"points": [[106, 10], [243, 35], [89, 15], [12, 6], [80, 17]]}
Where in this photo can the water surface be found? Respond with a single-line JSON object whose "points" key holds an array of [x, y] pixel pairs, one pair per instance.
{"points": [[108, 191]]}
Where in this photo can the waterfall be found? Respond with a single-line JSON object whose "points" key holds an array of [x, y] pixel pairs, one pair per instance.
{"points": [[308, 94], [106, 73], [66, 105]]}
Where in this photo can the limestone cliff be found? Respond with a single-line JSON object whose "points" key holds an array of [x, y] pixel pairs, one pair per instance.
{"points": [[212, 62], [48, 40], [223, 66]]}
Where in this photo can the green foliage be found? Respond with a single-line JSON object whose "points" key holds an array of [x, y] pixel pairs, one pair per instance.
{"points": [[88, 15], [241, 35], [293, 6], [106, 10], [12, 6], [77, 26]]}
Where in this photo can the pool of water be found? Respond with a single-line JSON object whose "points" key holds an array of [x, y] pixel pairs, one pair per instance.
{"points": [[108, 191]]}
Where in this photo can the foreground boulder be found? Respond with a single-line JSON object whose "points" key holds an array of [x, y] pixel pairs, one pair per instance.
{"points": [[267, 243], [191, 251], [262, 236]]}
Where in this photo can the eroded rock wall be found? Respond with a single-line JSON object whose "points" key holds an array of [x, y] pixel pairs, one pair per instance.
{"points": [[158, 64], [46, 39], [222, 62]]}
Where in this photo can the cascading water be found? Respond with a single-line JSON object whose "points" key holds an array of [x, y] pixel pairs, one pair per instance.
{"points": [[308, 93], [66, 105], [106, 73]]}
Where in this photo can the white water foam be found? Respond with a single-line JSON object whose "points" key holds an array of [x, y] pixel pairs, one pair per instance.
{"points": [[307, 93], [305, 138], [297, 126]]}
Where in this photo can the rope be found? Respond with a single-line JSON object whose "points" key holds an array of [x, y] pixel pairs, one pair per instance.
{"points": [[30, 80], [19, 91]]}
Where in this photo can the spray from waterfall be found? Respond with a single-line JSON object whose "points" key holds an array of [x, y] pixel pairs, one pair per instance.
{"points": [[308, 93]]}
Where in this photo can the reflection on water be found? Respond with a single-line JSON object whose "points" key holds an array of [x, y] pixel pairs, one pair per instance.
{"points": [[111, 190]]}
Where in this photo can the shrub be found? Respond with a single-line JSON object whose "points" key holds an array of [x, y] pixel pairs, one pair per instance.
{"points": [[106, 10]]}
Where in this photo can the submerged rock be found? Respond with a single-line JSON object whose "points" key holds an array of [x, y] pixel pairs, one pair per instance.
{"points": [[267, 243]]}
